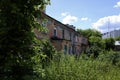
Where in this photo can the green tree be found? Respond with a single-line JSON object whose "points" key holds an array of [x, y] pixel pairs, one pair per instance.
{"points": [[90, 32], [117, 39], [109, 43], [44, 48], [96, 44], [17, 20], [93, 40]]}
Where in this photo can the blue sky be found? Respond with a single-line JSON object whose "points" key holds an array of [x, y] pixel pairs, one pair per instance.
{"points": [[84, 14]]}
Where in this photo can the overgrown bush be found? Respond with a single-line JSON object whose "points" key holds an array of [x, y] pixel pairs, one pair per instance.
{"points": [[44, 54], [112, 57], [93, 51], [70, 68]]}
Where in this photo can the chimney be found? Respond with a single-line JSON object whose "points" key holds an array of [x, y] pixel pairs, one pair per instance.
{"points": [[71, 26]]}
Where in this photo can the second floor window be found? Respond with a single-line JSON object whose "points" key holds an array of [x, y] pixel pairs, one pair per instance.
{"points": [[70, 35], [44, 23], [55, 32], [76, 38], [63, 33]]}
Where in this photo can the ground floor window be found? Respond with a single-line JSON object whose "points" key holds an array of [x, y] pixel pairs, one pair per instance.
{"points": [[65, 48]]}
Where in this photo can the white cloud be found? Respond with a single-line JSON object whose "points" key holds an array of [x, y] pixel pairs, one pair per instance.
{"points": [[107, 23], [117, 5], [84, 19], [68, 19], [64, 14]]}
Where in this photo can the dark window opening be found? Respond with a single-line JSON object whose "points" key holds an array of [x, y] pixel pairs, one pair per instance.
{"points": [[63, 33], [55, 32], [70, 35]]}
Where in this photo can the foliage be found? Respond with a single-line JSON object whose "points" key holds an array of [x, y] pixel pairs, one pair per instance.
{"points": [[96, 44], [93, 51], [109, 43], [17, 20], [111, 57], [93, 40], [84, 68], [45, 50], [117, 38], [44, 54], [90, 32]]}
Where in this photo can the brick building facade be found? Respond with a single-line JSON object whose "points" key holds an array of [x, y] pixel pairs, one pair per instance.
{"points": [[63, 37]]}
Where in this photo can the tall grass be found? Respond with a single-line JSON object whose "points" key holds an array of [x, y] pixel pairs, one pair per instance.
{"points": [[67, 67]]}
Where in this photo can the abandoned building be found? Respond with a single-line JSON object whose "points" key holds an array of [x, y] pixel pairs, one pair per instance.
{"points": [[63, 37]]}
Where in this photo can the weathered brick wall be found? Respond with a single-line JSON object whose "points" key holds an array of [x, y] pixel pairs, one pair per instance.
{"points": [[72, 41]]}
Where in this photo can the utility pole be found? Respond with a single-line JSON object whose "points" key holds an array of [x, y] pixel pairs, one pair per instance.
{"points": [[108, 35]]}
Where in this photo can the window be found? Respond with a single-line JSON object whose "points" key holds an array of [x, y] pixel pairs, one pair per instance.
{"points": [[49, 22], [63, 33], [55, 32], [76, 38], [65, 48], [70, 49], [44, 23], [70, 35]]}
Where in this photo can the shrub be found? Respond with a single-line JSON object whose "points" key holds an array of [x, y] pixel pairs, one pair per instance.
{"points": [[70, 68]]}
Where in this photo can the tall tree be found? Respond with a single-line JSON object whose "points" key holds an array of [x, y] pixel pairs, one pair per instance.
{"points": [[96, 44], [17, 20], [90, 32], [109, 43]]}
